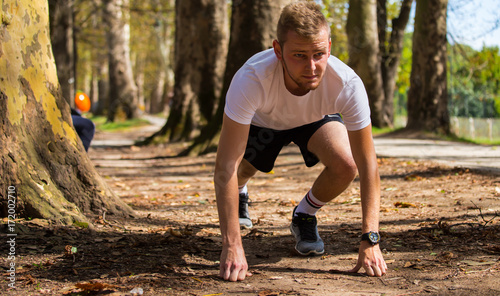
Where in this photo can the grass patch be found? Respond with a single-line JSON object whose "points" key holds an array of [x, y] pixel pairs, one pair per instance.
{"points": [[380, 131], [478, 141], [101, 124], [423, 135]]}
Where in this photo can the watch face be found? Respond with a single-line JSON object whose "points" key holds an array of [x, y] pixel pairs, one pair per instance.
{"points": [[374, 237]]}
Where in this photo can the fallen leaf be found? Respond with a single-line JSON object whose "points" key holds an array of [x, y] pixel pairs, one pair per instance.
{"points": [[175, 233], [402, 204], [93, 286], [413, 177]]}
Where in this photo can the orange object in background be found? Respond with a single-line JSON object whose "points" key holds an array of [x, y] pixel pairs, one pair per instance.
{"points": [[82, 102]]}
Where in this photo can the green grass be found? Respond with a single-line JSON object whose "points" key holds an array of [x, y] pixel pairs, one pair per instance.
{"points": [[479, 141], [102, 125], [380, 131]]}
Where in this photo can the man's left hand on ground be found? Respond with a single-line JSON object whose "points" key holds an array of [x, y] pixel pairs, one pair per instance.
{"points": [[371, 259]]}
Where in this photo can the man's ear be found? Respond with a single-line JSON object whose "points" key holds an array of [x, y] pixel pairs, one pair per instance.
{"points": [[329, 46], [277, 49]]}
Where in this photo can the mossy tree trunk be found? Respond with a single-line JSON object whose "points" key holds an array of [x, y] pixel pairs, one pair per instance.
{"points": [[41, 154]]}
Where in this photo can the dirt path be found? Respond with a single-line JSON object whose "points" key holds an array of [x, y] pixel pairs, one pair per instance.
{"points": [[440, 228]]}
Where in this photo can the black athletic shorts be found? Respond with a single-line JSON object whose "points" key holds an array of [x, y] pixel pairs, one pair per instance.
{"points": [[265, 144]]}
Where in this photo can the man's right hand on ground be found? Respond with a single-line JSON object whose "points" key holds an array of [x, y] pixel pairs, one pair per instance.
{"points": [[233, 264]]}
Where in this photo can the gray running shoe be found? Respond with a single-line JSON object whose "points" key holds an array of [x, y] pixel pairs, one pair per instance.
{"points": [[245, 220], [305, 229]]}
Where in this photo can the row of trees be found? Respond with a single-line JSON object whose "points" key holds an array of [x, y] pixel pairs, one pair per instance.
{"points": [[375, 33], [120, 52], [207, 55]]}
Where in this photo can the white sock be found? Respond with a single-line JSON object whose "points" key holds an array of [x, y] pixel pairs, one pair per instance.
{"points": [[243, 189], [309, 204]]}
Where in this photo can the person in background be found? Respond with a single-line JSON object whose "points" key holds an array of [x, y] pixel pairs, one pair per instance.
{"points": [[84, 127]]}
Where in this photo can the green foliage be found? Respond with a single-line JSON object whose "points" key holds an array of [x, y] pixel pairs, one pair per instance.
{"points": [[473, 81], [336, 13], [403, 79]]}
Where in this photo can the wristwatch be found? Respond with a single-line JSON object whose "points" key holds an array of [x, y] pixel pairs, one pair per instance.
{"points": [[372, 237]]}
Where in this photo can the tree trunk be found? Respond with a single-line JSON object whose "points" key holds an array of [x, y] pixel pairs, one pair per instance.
{"points": [[102, 89], [253, 28], [200, 52], [164, 30], [427, 97], [98, 60], [391, 53], [43, 162], [373, 57], [122, 88], [364, 55], [61, 36]]}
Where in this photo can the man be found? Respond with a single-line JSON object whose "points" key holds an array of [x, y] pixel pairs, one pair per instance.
{"points": [[295, 92]]}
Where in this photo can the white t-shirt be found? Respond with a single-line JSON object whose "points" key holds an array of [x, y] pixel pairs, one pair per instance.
{"points": [[257, 95]]}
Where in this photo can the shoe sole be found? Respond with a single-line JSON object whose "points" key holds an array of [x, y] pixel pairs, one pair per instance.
{"points": [[310, 253], [243, 226]]}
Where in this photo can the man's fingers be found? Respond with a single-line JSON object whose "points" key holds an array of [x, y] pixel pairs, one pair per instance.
{"points": [[375, 270], [225, 272], [233, 274], [369, 270], [242, 274], [356, 268]]}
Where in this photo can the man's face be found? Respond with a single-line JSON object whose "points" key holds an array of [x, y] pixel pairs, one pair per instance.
{"points": [[304, 61]]}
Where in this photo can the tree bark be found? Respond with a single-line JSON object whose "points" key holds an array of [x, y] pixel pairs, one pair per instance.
{"points": [[42, 159], [427, 96], [122, 88], [373, 57], [391, 53], [62, 39], [364, 55], [200, 52], [253, 28], [164, 28]]}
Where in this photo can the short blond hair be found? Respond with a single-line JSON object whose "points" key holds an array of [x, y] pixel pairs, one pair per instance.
{"points": [[304, 18]]}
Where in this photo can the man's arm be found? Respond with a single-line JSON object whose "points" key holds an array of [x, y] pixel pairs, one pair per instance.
{"points": [[363, 151], [232, 143]]}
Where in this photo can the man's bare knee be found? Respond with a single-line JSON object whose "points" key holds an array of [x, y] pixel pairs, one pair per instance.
{"points": [[345, 169]]}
